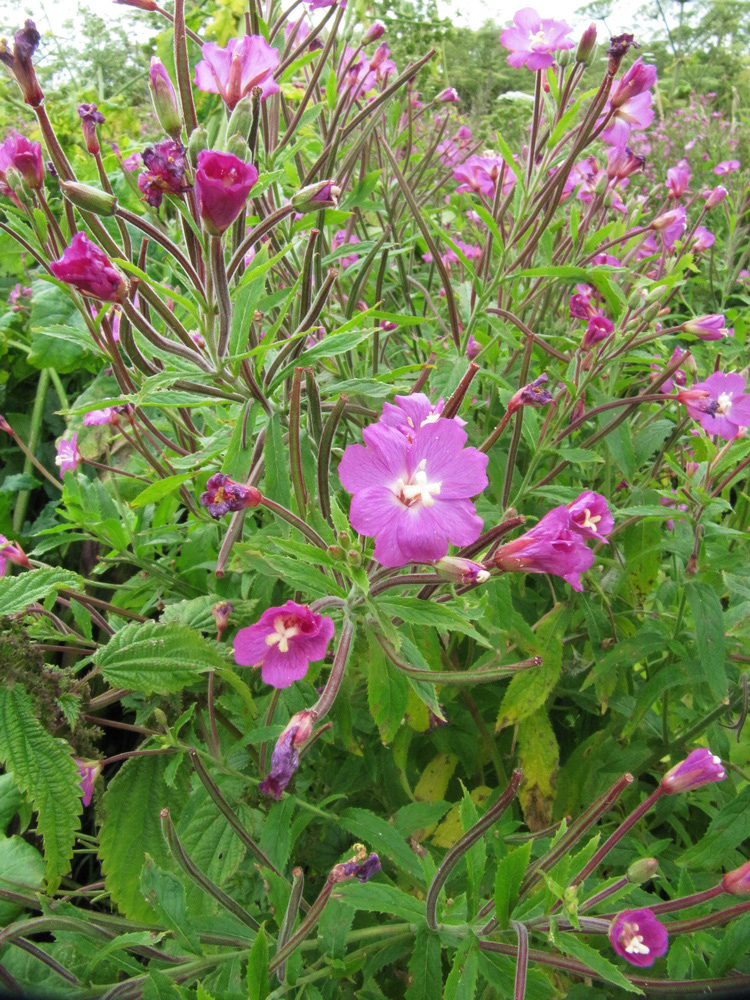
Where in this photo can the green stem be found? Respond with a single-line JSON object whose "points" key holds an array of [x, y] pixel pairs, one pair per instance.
{"points": [[37, 415]]}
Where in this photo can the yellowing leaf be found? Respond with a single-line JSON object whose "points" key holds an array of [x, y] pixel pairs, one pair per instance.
{"points": [[538, 757], [417, 713], [433, 783], [447, 833]]}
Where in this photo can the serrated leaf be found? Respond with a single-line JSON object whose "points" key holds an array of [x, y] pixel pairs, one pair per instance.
{"points": [[258, 984], [45, 771], [461, 983], [708, 617], [160, 489], [387, 694], [155, 658], [417, 612], [508, 878], [379, 836], [572, 945], [18, 592], [529, 690], [538, 757], [21, 868], [131, 805], [425, 967], [378, 897], [164, 891], [726, 831]]}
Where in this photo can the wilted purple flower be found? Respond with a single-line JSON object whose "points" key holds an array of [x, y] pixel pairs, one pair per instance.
{"points": [[11, 552], [222, 184], [699, 768], [89, 771], [533, 40], [737, 882], [638, 937], [552, 546], [678, 179], [235, 70], [591, 516], [221, 612], [413, 498], [283, 642], [68, 455], [165, 173], [360, 867], [533, 394], [710, 327], [90, 118], [726, 167], [619, 45], [716, 196], [20, 65], [18, 153], [598, 329], [224, 494], [87, 268], [581, 306], [285, 758], [719, 404], [449, 96]]}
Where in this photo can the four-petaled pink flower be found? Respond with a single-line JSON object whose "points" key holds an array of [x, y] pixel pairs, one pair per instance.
{"points": [[87, 268], [480, 174], [678, 179], [720, 404], [408, 413], [283, 642], [68, 455], [710, 327], [11, 552], [411, 493], [222, 184], [533, 40], [699, 768], [591, 516], [638, 937], [726, 167], [235, 70]]}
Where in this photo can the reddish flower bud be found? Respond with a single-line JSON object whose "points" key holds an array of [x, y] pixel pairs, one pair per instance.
{"points": [[90, 199], [5, 426], [373, 33], [164, 98], [25, 157], [716, 196], [11, 552], [710, 327], [737, 882], [458, 570], [323, 194], [598, 329], [20, 65], [448, 96], [587, 45], [87, 268], [699, 768], [88, 771], [139, 4], [90, 118], [221, 613], [222, 184]]}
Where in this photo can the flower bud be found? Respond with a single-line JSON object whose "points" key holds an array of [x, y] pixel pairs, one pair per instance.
{"points": [[323, 194], [562, 59], [373, 33], [20, 65], [636, 299], [221, 613], [699, 768], [354, 558], [222, 185], [716, 196], [139, 4], [737, 882], [90, 118], [164, 98], [448, 96], [4, 425], [587, 45], [89, 199], [344, 538], [241, 119], [642, 870], [197, 142], [335, 552], [237, 146], [458, 570]]}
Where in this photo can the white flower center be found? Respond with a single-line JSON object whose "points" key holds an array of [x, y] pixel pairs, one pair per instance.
{"points": [[725, 402], [60, 459], [421, 488], [431, 419], [538, 40], [284, 632], [635, 945], [590, 520]]}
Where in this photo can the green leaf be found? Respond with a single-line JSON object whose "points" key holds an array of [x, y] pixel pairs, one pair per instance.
{"points": [[160, 489], [379, 836], [154, 658], [476, 856], [461, 983], [258, 983], [45, 771], [131, 805], [508, 878], [708, 617], [345, 339], [572, 945], [530, 689], [425, 967], [726, 831], [378, 897], [277, 484], [417, 612], [21, 869], [387, 693], [18, 592], [166, 894]]}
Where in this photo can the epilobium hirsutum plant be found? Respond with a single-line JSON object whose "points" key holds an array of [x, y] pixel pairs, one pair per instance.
{"points": [[355, 576]]}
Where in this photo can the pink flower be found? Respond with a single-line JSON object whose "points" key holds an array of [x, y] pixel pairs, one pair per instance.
{"points": [[630, 102], [449, 95], [679, 377], [165, 172], [283, 642], [68, 455], [87, 268], [598, 329], [702, 239], [11, 552], [94, 418], [340, 239], [678, 179], [303, 30], [164, 97], [719, 404], [411, 493], [373, 33], [235, 70], [726, 167], [89, 771], [710, 327], [285, 757], [479, 174], [638, 937], [408, 414], [622, 162], [223, 495], [319, 4], [671, 224], [555, 545], [533, 40], [25, 157], [591, 516], [133, 162], [222, 184], [473, 347], [700, 767]]}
